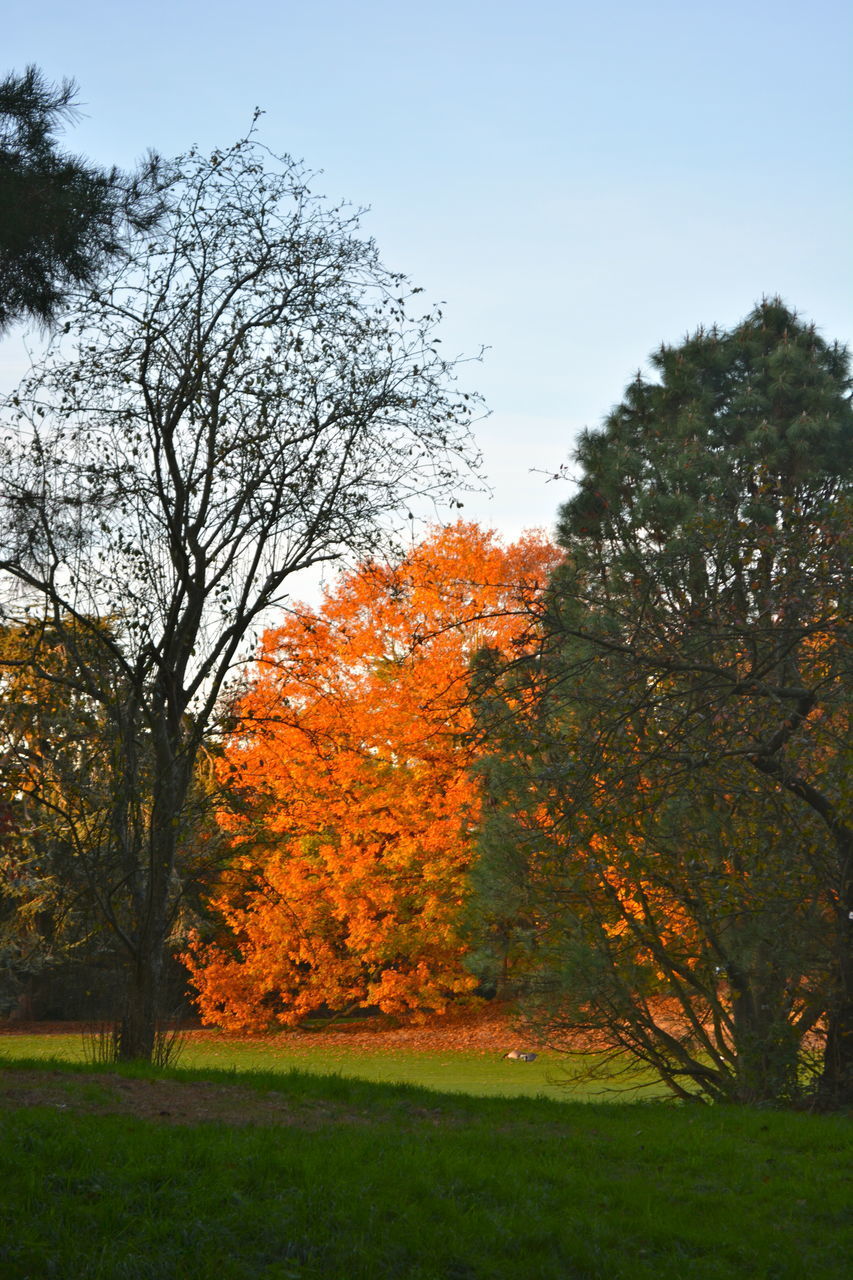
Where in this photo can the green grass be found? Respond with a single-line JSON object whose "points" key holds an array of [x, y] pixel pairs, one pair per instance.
{"points": [[404, 1183], [473, 1073]]}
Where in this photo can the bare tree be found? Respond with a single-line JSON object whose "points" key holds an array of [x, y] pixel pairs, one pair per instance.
{"points": [[244, 398]]}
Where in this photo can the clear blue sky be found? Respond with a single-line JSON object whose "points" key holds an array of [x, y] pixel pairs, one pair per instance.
{"points": [[578, 182]]}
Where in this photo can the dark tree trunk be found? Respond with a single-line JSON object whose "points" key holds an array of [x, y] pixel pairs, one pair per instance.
{"points": [[138, 1029], [143, 1004], [835, 1088], [766, 1045], [836, 1082]]}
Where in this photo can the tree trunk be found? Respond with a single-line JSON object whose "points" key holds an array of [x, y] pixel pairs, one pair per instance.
{"points": [[765, 1044], [836, 1082], [138, 1030], [143, 1007]]}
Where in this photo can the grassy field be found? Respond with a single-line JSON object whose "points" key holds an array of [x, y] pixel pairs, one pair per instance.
{"points": [[346, 1178], [483, 1075]]}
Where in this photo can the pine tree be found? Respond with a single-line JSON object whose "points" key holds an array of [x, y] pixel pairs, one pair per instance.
{"points": [[61, 218], [676, 771]]}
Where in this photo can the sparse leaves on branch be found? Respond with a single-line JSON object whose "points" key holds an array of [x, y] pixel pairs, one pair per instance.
{"points": [[242, 396]]}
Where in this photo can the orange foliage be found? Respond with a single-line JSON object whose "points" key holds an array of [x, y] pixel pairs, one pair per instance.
{"points": [[356, 808]]}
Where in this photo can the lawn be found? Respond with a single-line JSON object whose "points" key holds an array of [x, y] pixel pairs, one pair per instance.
{"points": [[448, 1070], [239, 1174]]}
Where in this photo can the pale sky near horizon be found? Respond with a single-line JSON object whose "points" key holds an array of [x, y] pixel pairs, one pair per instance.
{"points": [[578, 183]]}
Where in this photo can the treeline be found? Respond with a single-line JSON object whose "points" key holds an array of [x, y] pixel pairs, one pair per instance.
{"points": [[607, 777]]}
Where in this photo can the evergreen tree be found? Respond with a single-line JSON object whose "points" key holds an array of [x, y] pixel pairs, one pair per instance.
{"points": [[674, 765], [61, 218]]}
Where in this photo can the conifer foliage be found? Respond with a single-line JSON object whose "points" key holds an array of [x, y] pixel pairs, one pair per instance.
{"points": [[61, 219], [668, 856]]}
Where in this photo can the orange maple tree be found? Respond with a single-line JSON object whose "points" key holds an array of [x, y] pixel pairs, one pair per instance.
{"points": [[354, 807]]}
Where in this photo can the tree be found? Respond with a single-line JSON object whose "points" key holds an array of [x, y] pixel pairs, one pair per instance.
{"points": [[43, 737], [354, 806], [246, 397], [61, 219], [673, 789], [56, 789]]}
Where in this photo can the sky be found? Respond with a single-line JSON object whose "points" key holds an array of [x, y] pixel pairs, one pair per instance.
{"points": [[576, 183]]}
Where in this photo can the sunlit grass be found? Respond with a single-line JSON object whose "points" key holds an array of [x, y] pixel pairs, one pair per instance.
{"points": [[452, 1072]]}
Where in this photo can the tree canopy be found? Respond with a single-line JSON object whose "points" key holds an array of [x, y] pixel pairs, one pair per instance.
{"points": [[61, 218], [353, 804], [673, 814]]}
